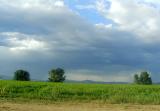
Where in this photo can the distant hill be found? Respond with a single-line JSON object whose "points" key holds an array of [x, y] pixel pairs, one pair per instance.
{"points": [[94, 82], [3, 77]]}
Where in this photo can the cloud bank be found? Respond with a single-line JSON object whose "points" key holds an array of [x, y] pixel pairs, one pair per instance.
{"points": [[43, 34]]}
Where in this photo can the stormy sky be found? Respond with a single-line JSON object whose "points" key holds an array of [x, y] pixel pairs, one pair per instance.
{"points": [[102, 40]]}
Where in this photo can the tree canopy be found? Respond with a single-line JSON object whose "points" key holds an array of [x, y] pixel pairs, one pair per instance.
{"points": [[56, 75], [143, 78], [21, 75]]}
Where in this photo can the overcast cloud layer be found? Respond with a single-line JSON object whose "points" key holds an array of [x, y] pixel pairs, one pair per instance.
{"points": [[37, 35]]}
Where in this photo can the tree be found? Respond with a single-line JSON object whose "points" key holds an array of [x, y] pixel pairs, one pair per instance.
{"points": [[56, 75], [136, 79], [21, 75], [143, 78]]}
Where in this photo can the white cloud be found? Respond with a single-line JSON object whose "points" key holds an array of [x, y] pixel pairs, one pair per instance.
{"points": [[151, 1], [32, 3], [28, 44], [133, 16], [22, 42], [103, 26], [59, 3]]}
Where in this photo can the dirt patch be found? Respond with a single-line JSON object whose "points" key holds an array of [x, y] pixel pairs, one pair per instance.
{"points": [[75, 107]]}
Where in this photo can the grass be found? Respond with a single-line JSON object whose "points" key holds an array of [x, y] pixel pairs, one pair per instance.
{"points": [[60, 92]]}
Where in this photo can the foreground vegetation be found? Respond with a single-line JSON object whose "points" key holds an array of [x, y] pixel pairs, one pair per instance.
{"points": [[143, 94]]}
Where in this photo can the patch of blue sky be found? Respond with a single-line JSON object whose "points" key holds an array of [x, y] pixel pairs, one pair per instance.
{"points": [[79, 2], [90, 14], [93, 16]]}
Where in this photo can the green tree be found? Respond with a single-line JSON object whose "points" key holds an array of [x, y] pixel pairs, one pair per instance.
{"points": [[56, 75], [21, 75], [143, 78], [136, 79]]}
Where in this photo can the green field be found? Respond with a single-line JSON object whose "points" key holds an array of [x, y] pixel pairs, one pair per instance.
{"points": [[138, 94]]}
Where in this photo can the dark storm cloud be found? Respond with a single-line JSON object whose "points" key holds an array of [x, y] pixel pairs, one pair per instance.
{"points": [[36, 38]]}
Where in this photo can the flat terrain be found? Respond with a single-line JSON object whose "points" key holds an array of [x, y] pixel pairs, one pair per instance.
{"points": [[60, 92], [45, 96], [8, 106]]}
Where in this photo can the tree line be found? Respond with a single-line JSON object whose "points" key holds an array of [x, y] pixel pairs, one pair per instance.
{"points": [[57, 75]]}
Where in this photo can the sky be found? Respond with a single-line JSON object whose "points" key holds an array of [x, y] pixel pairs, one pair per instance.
{"points": [[101, 40]]}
